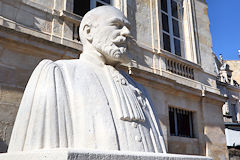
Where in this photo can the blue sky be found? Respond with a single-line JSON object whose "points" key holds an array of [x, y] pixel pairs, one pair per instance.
{"points": [[224, 18]]}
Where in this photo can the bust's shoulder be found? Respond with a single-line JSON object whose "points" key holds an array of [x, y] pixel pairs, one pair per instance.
{"points": [[66, 62], [67, 66], [61, 63]]}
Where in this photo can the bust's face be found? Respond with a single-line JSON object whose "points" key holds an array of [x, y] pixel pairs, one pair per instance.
{"points": [[110, 38]]}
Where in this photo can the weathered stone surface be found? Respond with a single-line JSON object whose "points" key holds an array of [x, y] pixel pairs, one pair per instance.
{"points": [[182, 145], [214, 132], [234, 153], [68, 33], [6, 122], [8, 11], [45, 3], [18, 60], [143, 28], [207, 59], [57, 27], [42, 24], [235, 67], [10, 98], [25, 18], [10, 94]]}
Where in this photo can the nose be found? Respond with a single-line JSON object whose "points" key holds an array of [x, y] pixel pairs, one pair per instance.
{"points": [[125, 31]]}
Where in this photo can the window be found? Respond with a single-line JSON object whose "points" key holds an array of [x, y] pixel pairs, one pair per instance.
{"points": [[181, 122], [171, 15], [234, 112], [81, 7]]}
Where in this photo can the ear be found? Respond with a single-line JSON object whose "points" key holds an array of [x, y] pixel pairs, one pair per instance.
{"points": [[88, 32]]}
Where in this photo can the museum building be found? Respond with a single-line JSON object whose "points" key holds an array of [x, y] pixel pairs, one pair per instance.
{"points": [[228, 83], [171, 53]]}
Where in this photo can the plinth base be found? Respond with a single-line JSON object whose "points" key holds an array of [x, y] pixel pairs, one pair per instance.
{"points": [[71, 154]]}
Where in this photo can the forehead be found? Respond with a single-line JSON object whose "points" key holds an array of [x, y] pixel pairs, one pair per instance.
{"points": [[121, 20], [110, 13]]}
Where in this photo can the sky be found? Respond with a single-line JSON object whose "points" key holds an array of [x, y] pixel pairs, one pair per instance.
{"points": [[224, 16]]}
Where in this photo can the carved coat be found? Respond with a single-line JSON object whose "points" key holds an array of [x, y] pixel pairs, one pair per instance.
{"points": [[84, 104]]}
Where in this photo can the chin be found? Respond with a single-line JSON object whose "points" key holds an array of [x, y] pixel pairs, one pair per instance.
{"points": [[115, 54], [121, 57]]}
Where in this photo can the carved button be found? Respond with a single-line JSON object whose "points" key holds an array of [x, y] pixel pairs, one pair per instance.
{"points": [[123, 81], [138, 139], [134, 124]]}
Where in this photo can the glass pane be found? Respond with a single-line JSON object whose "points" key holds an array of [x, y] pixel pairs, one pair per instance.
{"points": [[106, 1], [177, 45], [233, 107], [183, 125], [164, 5], [81, 7], [172, 122], [191, 125], [175, 28], [99, 4], [165, 25], [179, 124], [166, 42], [174, 6]]}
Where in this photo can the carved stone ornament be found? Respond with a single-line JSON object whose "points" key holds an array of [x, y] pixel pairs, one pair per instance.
{"points": [[88, 103], [225, 75]]}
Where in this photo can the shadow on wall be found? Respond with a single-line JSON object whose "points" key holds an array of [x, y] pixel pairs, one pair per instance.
{"points": [[28, 16], [139, 55], [215, 139], [131, 16], [3, 146], [136, 52]]}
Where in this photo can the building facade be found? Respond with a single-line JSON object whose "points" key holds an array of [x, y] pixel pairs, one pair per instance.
{"points": [[171, 56], [228, 83]]}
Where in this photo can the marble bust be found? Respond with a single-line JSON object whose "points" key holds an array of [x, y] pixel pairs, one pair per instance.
{"points": [[88, 103]]}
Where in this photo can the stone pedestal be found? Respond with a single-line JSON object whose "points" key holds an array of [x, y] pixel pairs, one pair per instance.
{"points": [[70, 154]]}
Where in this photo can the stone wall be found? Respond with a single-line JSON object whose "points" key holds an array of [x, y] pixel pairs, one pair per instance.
{"points": [[208, 126], [205, 44], [234, 153], [19, 55], [32, 30], [214, 134], [235, 67], [10, 98]]}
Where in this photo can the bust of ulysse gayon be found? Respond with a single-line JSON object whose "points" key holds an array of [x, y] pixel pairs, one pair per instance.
{"points": [[88, 102]]}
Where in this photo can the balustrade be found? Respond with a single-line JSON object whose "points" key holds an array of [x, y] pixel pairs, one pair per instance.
{"points": [[179, 68]]}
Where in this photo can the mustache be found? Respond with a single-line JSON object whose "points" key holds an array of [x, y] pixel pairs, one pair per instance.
{"points": [[119, 40], [122, 39]]}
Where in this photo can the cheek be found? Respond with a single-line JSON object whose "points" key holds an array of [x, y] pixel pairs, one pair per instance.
{"points": [[108, 34], [115, 33]]}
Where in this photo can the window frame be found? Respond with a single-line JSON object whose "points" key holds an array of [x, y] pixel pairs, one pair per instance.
{"points": [[234, 112], [176, 122], [93, 3], [170, 27]]}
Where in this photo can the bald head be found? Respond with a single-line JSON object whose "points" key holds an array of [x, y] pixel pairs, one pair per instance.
{"points": [[104, 31], [94, 17]]}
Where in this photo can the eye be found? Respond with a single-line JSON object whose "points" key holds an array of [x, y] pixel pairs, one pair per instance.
{"points": [[118, 25]]}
